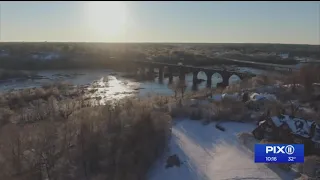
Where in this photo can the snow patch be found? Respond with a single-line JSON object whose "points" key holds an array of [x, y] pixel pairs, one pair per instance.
{"points": [[257, 97], [192, 102], [210, 154], [220, 97], [292, 85], [298, 126]]}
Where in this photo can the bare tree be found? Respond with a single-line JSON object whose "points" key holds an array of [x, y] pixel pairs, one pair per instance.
{"points": [[179, 89], [308, 75], [48, 149], [293, 108], [67, 108], [12, 149]]}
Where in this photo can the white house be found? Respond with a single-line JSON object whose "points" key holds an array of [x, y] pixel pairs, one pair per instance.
{"points": [[45, 55], [4, 53], [284, 55]]}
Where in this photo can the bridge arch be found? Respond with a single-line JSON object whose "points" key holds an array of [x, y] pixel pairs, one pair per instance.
{"points": [[216, 78], [234, 78], [201, 76]]}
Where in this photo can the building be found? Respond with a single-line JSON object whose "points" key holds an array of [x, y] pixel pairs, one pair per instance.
{"points": [[45, 55], [267, 129], [284, 55], [316, 138], [4, 53], [290, 130]]}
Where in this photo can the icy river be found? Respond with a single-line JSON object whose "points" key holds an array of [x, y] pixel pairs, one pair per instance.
{"points": [[114, 84]]}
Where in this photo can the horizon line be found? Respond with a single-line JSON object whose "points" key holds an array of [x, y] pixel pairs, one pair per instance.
{"points": [[155, 42]]}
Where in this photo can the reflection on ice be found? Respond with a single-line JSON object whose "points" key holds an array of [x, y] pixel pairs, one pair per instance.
{"points": [[105, 85], [110, 88]]}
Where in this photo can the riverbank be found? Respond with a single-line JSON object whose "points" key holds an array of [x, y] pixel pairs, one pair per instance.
{"points": [[17, 74], [64, 131]]}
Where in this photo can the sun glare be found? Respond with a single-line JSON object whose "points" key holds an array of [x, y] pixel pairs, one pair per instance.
{"points": [[107, 18]]}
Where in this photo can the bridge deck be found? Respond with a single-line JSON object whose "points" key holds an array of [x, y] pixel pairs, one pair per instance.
{"points": [[286, 67], [260, 63]]}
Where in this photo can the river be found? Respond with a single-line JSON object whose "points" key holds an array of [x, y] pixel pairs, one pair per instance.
{"points": [[112, 84]]}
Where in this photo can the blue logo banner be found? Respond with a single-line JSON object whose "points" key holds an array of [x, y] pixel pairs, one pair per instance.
{"points": [[279, 153]]}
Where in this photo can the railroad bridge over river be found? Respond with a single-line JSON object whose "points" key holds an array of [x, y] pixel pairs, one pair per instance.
{"points": [[147, 68]]}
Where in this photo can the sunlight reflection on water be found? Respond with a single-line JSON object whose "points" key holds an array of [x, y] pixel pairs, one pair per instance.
{"points": [[110, 88], [106, 85]]}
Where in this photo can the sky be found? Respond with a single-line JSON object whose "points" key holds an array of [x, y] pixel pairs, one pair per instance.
{"points": [[124, 21]]}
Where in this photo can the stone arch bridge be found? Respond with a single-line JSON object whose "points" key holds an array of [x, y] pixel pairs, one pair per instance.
{"points": [[182, 70]]}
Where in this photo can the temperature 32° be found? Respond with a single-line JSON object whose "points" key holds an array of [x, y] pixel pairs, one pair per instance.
{"points": [[291, 159]]}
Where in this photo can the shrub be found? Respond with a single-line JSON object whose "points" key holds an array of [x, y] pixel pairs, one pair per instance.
{"points": [[311, 166], [5, 114], [196, 114], [230, 109], [113, 141], [308, 75]]}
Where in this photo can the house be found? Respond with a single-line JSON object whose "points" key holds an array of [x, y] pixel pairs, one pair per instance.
{"points": [[316, 138], [4, 53], [283, 55], [290, 130], [257, 101], [292, 125], [45, 55], [266, 129], [258, 132], [285, 133]]}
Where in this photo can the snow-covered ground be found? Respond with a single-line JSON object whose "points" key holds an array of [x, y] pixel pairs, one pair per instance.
{"points": [[210, 154]]}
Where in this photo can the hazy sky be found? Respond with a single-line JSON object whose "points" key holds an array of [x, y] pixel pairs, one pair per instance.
{"points": [[225, 22]]}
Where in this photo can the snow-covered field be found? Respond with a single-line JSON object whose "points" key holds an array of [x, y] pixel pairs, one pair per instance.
{"points": [[210, 154]]}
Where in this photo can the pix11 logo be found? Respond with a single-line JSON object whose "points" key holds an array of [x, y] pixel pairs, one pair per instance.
{"points": [[279, 153]]}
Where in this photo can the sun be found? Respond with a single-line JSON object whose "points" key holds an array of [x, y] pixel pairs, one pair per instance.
{"points": [[107, 18]]}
